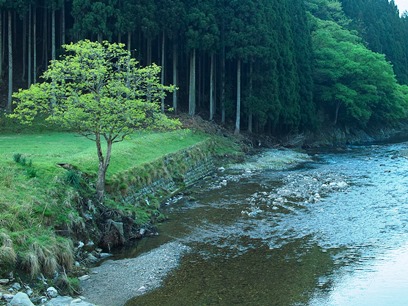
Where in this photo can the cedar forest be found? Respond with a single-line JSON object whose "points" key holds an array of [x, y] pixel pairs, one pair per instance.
{"points": [[263, 66]]}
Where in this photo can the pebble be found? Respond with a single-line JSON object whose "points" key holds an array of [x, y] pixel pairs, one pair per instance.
{"points": [[4, 281], [52, 292], [84, 277]]}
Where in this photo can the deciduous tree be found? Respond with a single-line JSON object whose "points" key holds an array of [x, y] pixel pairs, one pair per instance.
{"points": [[99, 91]]}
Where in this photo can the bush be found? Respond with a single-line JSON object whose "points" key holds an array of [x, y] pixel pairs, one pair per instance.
{"points": [[72, 178]]}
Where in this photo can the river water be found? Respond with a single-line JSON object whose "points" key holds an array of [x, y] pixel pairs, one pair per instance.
{"points": [[333, 231]]}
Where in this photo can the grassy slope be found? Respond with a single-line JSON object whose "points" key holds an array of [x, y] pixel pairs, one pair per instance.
{"points": [[34, 200]]}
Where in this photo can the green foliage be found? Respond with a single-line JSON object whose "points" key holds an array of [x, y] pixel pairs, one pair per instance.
{"points": [[101, 92], [33, 211], [97, 89], [353, 84], [73, 178]]}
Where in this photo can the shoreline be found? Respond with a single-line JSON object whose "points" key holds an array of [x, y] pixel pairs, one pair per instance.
{"points": [[132, 277]]}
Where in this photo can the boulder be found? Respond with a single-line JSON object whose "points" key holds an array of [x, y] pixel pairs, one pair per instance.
{"points": [[21, 299]]}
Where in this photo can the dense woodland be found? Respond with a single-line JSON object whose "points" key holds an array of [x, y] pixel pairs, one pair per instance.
{"points": [[263, 66]]}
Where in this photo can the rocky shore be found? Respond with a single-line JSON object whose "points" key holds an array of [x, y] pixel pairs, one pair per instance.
{"points": [[115, 282]]}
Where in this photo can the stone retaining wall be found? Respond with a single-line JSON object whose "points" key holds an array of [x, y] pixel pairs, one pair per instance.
{"points": [[178, 170]]}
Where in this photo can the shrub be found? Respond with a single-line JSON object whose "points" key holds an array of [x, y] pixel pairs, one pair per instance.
{"points": [[17, 157], [72, 178]]}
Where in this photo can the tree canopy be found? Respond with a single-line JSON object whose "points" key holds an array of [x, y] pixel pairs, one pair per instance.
{"points": [[99, 91], [265, 66]]}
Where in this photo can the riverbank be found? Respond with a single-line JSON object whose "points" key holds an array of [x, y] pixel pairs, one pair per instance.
{"points": [[115, 282], [57, 201]]}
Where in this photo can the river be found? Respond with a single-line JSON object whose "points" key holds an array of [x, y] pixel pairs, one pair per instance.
{"points": [[333, 231]]}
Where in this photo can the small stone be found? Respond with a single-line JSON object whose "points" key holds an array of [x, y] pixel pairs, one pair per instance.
{"points": [[29, 292], [4, 281], [52, 292], [43, 299], [16, 286], [105, 255], [84, 277], [21, 299], [8, 297], [142, 289], [90, 243], [92, 258]]}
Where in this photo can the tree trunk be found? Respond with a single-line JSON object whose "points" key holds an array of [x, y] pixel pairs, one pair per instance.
{"points": [[10, 63], [63, 27], [30, 31], [129, 40], [212, 104], [192, 89], [45, 39], [238, 114], [24, 51], [149, 51], [336, 114], [1, 46], [35, 45], [175, 58], [53, 34], [103, 167], [162, 67], [250, 117], [223, 86]]}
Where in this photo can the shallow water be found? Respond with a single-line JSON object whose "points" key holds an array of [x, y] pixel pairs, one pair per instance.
{"points": [[334, 232]]}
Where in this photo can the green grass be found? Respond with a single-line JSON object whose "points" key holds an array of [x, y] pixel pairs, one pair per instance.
{"points": [[46, 150], [38, 198]]}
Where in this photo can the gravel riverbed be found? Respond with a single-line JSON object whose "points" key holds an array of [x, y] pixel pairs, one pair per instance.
{"points": [[115, 282]]}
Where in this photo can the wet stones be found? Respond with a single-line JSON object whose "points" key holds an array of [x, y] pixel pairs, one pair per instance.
{"points": [[297, 190]]}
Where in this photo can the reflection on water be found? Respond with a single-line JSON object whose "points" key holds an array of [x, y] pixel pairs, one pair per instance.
{"points": [[332, 233], [384, 281]]}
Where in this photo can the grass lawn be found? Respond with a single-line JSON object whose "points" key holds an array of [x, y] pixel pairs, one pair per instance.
{"points": [[46, 150], [35, 200]]}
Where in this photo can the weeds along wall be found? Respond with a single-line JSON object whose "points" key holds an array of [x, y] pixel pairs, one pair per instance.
{"points": [[163, 177]]}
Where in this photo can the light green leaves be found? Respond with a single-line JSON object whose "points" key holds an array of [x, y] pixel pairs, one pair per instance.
{"points": [[97, 88]]}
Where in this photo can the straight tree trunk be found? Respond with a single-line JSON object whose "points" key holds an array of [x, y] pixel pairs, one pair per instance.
{"points": [[162, 67], [45, 39], [10, 63], [238, 114], [29, 51], [250, 117], [53, 34], [149, 51], [129, 40], [175, 58], [35, 45], [63, 26], [192, 85], [24, 44], [1, 46], [223, 86], [4, 35], [212, 104]]}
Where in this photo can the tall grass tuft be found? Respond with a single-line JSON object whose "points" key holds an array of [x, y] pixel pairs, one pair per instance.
{"points": [[8, 256], [29, 263], [72, 178]]}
